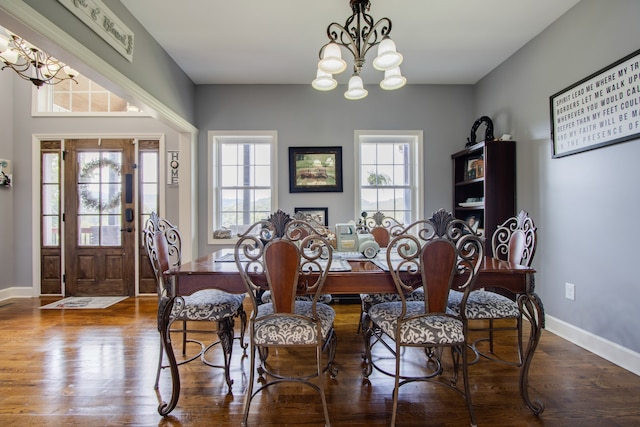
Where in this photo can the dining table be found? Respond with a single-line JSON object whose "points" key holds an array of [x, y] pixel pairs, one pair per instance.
{"points": [[218, 270]]}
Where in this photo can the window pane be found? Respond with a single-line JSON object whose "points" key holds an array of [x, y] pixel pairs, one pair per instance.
{"points": [[89, 198], [150, 198], [229, 176], [88, 230], [51, 230], [110, 234], [263, 175], [50, 167], [50, 199], [99, 102], [149, 161], [62, 101], [80, 102], [111, 198]]}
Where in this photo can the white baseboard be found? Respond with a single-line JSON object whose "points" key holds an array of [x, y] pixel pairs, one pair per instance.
{"points": [[16, 292], [614, 353]]}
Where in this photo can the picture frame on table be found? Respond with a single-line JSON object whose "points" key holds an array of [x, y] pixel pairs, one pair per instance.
{"points": [[319, 215], [315, 169]]}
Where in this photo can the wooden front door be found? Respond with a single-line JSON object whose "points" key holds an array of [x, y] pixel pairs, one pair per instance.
{"points": [[99, 217]]}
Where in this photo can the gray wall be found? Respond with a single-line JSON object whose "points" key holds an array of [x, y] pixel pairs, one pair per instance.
{"points": [[305, 117], [152, 69], [7, 236], [585, 205], [22, 127]]}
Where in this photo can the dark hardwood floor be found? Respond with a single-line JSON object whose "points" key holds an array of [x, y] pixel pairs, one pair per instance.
{"points": [[97, 368]]}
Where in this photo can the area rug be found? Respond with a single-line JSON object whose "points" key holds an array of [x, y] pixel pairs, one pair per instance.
{"points": [[84, 302]]}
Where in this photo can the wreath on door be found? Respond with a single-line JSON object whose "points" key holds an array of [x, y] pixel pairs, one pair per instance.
{"points": [[87, 173]]}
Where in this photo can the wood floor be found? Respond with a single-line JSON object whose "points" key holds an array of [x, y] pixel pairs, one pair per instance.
{"points": [[97, 368]]}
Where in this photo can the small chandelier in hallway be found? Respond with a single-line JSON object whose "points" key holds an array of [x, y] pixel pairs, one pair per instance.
{"points": [[33, 64]]}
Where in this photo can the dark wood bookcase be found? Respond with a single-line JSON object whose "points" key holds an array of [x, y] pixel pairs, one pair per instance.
{"points": [[484, 185]]}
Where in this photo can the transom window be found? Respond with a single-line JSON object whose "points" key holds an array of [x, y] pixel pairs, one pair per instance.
{"points": [[243, 181], [82, 98], [389, 175]]}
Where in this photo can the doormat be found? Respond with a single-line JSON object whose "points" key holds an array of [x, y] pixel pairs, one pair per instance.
{"points": [[84, 302]]}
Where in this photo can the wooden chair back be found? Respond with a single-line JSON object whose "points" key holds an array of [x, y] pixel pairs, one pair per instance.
{"points": [[433, 253], [515, 240], [438, 261], [382, 227], [286, 256], [282, 268]]}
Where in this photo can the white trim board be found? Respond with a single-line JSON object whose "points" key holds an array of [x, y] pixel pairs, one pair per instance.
{"points": [[614, 353], [16, 292]]}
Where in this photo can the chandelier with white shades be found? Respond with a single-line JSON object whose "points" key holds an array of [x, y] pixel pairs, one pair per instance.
{"points": [[32, 63], [358, 35]]}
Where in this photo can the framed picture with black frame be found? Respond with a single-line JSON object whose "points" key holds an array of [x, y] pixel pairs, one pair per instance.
{"points": [[315, 169], [319, 215]]}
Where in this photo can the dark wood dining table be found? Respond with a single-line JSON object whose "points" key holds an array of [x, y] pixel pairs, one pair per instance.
{"points": [[218, 271]]}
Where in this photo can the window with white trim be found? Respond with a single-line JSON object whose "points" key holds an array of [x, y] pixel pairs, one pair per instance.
{"points": [[242, 179], [85, 97], [389, 174]]}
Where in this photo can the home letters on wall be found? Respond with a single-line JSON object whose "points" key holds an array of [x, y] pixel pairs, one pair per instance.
{"points": [[599, 110]]}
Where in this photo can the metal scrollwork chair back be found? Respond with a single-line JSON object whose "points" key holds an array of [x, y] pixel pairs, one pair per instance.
{"points": [[382, 227], [163, 245], [435, 255], [290, 258], [514, 241]]}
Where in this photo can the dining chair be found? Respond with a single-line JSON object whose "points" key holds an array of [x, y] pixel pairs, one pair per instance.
{"points": [[163, 242], [515, 241], [265, 296], [430, 254], [382, 228], [288, 257]]}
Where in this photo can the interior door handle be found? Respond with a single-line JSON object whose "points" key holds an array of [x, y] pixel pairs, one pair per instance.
{"points": [[128, 229]]}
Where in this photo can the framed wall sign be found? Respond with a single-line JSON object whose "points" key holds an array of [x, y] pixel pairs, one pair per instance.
{"points": [[316, 169], [599, 110], [319, 215]]}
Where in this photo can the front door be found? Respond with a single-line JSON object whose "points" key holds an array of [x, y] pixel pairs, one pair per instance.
{"points": [[99, 218]]}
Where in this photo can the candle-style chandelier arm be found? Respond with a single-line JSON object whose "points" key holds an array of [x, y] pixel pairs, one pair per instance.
{"points": [[359, 33], [33, 64]]}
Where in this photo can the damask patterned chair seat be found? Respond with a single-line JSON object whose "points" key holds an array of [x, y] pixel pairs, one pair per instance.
{"points": [[288, 329], [208, 304], [485, 305], [431, 330]]}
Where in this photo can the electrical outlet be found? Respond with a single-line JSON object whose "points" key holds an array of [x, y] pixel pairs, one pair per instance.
{"points": [[570, 291]]}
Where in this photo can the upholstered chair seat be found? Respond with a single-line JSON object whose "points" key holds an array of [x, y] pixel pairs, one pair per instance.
{"points": [[208, 304], [484, 305], [425, 330], [288, 329]]}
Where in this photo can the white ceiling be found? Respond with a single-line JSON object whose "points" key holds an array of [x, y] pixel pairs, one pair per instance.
{"points": [[277, 41]]}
